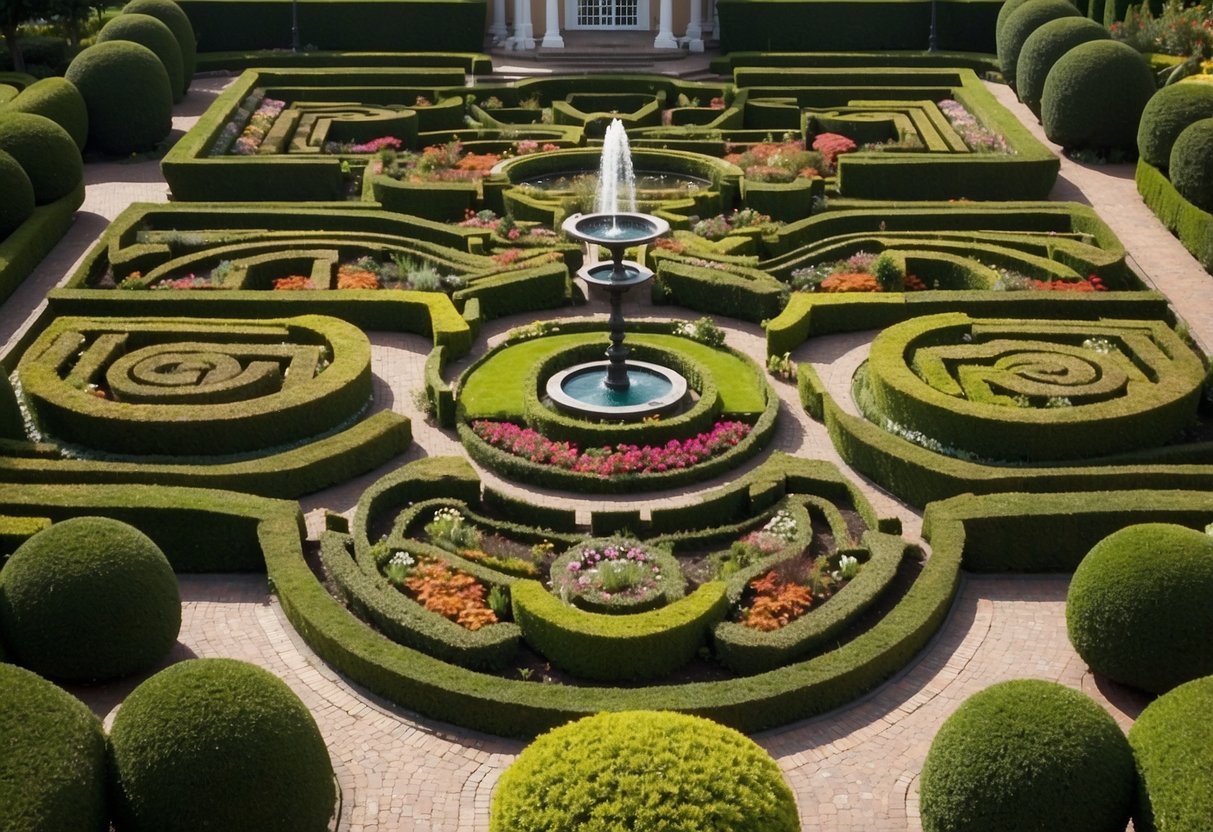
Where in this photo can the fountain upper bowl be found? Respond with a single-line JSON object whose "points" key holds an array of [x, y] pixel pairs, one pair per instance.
{"points": [[612, 230]]}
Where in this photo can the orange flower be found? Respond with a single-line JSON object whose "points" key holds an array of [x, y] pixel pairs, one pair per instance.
{"points": [[357, 280], [850, 282], [294, 282]]}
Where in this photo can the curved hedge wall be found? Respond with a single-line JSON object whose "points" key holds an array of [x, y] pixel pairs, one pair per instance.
{"points": [[46, 152], [1172, 742], [1137, 610], [1027, 754], [1094, 96], [150, 32], [1191, 166], [127, 94], [1044, 47], [57, 99], [1022, 22], [52, 771], [1172, 109], [644, 770], [266, 766]]}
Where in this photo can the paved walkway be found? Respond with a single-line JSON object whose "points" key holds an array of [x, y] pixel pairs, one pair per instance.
{"points": [[853, 769]]}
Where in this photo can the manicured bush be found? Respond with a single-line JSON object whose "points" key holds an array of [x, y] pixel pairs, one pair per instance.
{"points": [[52, 771], [643, 770], [45, 151], [126, 91], [57, 99], [172, 16], [1005, 11], [1021, 23], [18, 202], [1094, 95], [1172, 109], [150, 32], [1138, 607], [219, 744], [89, 598], [1027, 754], [1044, 47], [1172, 742], [1191, 167]]}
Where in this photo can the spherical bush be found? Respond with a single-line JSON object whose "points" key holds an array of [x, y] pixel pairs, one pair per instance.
{"points": [[172, 16], [46, 151], [1138, 608], [1191, 167], [7, 93], [643, 770], [1094, 95], [218, 744], [1027, 754], [1004, 12], [1044, 47], [1172, 742], [60, 101], [1172, 109], [18, 202], [126, 91], [150, 32], [52, 769], [89, 598], [1020, 24]]}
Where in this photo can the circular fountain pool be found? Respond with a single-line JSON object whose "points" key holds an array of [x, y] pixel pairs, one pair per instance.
{"points": [[583, 389]]}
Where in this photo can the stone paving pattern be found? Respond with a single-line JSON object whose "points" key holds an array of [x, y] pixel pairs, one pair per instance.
{"points": [[853, 769]]}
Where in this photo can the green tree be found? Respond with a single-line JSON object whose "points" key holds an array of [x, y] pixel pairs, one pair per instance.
{"points": [[73, 15], [12, 14]]}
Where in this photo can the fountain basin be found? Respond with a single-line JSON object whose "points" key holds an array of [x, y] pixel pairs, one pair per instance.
{"points": [[582, 390]]}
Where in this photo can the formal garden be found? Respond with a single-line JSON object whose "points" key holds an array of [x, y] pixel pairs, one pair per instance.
{"points": [[889, 507]]}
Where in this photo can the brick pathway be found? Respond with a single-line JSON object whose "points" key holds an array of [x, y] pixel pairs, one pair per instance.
{"points": [[853, 769]]}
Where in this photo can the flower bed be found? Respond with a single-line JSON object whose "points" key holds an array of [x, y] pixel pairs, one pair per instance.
{"points": [[976, 136], [777, 161], [451, 530], [861, 272], [616, 575], [441, 588], [437, 163], [785, 593]]}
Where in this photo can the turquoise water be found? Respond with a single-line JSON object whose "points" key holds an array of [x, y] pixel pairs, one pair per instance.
{"points": [[590, 388]]}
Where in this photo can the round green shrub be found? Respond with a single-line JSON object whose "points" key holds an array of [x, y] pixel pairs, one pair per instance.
{"points": [[1172, 742], [1094, 95], [150, 32], [7, 93], [1027, 754], [1191, 168], [218, 744], [1138, 608], [1020, 24], [46, 152], [1004, 12], [18, 202], [126, 91], [643, 770], [1167, 114], [52, 769], [60, 101], [1044, 47], [89, 598], [171, 15]]}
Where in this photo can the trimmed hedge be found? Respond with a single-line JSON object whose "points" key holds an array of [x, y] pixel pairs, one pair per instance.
{"points": [[24, 247], [57, 99], [1044, 47], [50, 615], [174, 17], [1022, 22], [644, 770], [739, 292], [1172, 109], [148, 31], [18, 203], [1137, 610], [1191, 166], [637, 646], [16, 530], [1027, 754], [266, 766], [1193, 226], [1094, 96], [46, 152], [52, 771], [127, 93], [1172, 742]]}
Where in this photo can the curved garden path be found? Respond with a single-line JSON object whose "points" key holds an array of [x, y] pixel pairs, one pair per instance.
{"points": [[853, 769]]}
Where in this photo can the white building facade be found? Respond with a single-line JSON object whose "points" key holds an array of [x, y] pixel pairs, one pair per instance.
{"points": [[525, 24]]}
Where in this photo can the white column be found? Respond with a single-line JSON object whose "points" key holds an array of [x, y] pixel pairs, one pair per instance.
{"points": [[528, 41], [551, 26], [498, 29], [665, 27], [694, 35], [523, 36]]}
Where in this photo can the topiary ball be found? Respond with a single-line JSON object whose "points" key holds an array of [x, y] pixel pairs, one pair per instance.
{"points": [[1169, 112], [218, 744], [1027, 754], [1191, 167], [1044, 47], [643, 770], [18, 203], [1138, 608], [147, 30], [1020, 24], [1005, 11], [1094, 95], [1172, 742], [126, 91], [172, 16], [46, 152], [89, 598], [52, 770], [60, 101]]}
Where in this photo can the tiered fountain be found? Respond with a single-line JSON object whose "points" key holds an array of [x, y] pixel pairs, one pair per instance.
{"points": [[616, 388]]}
